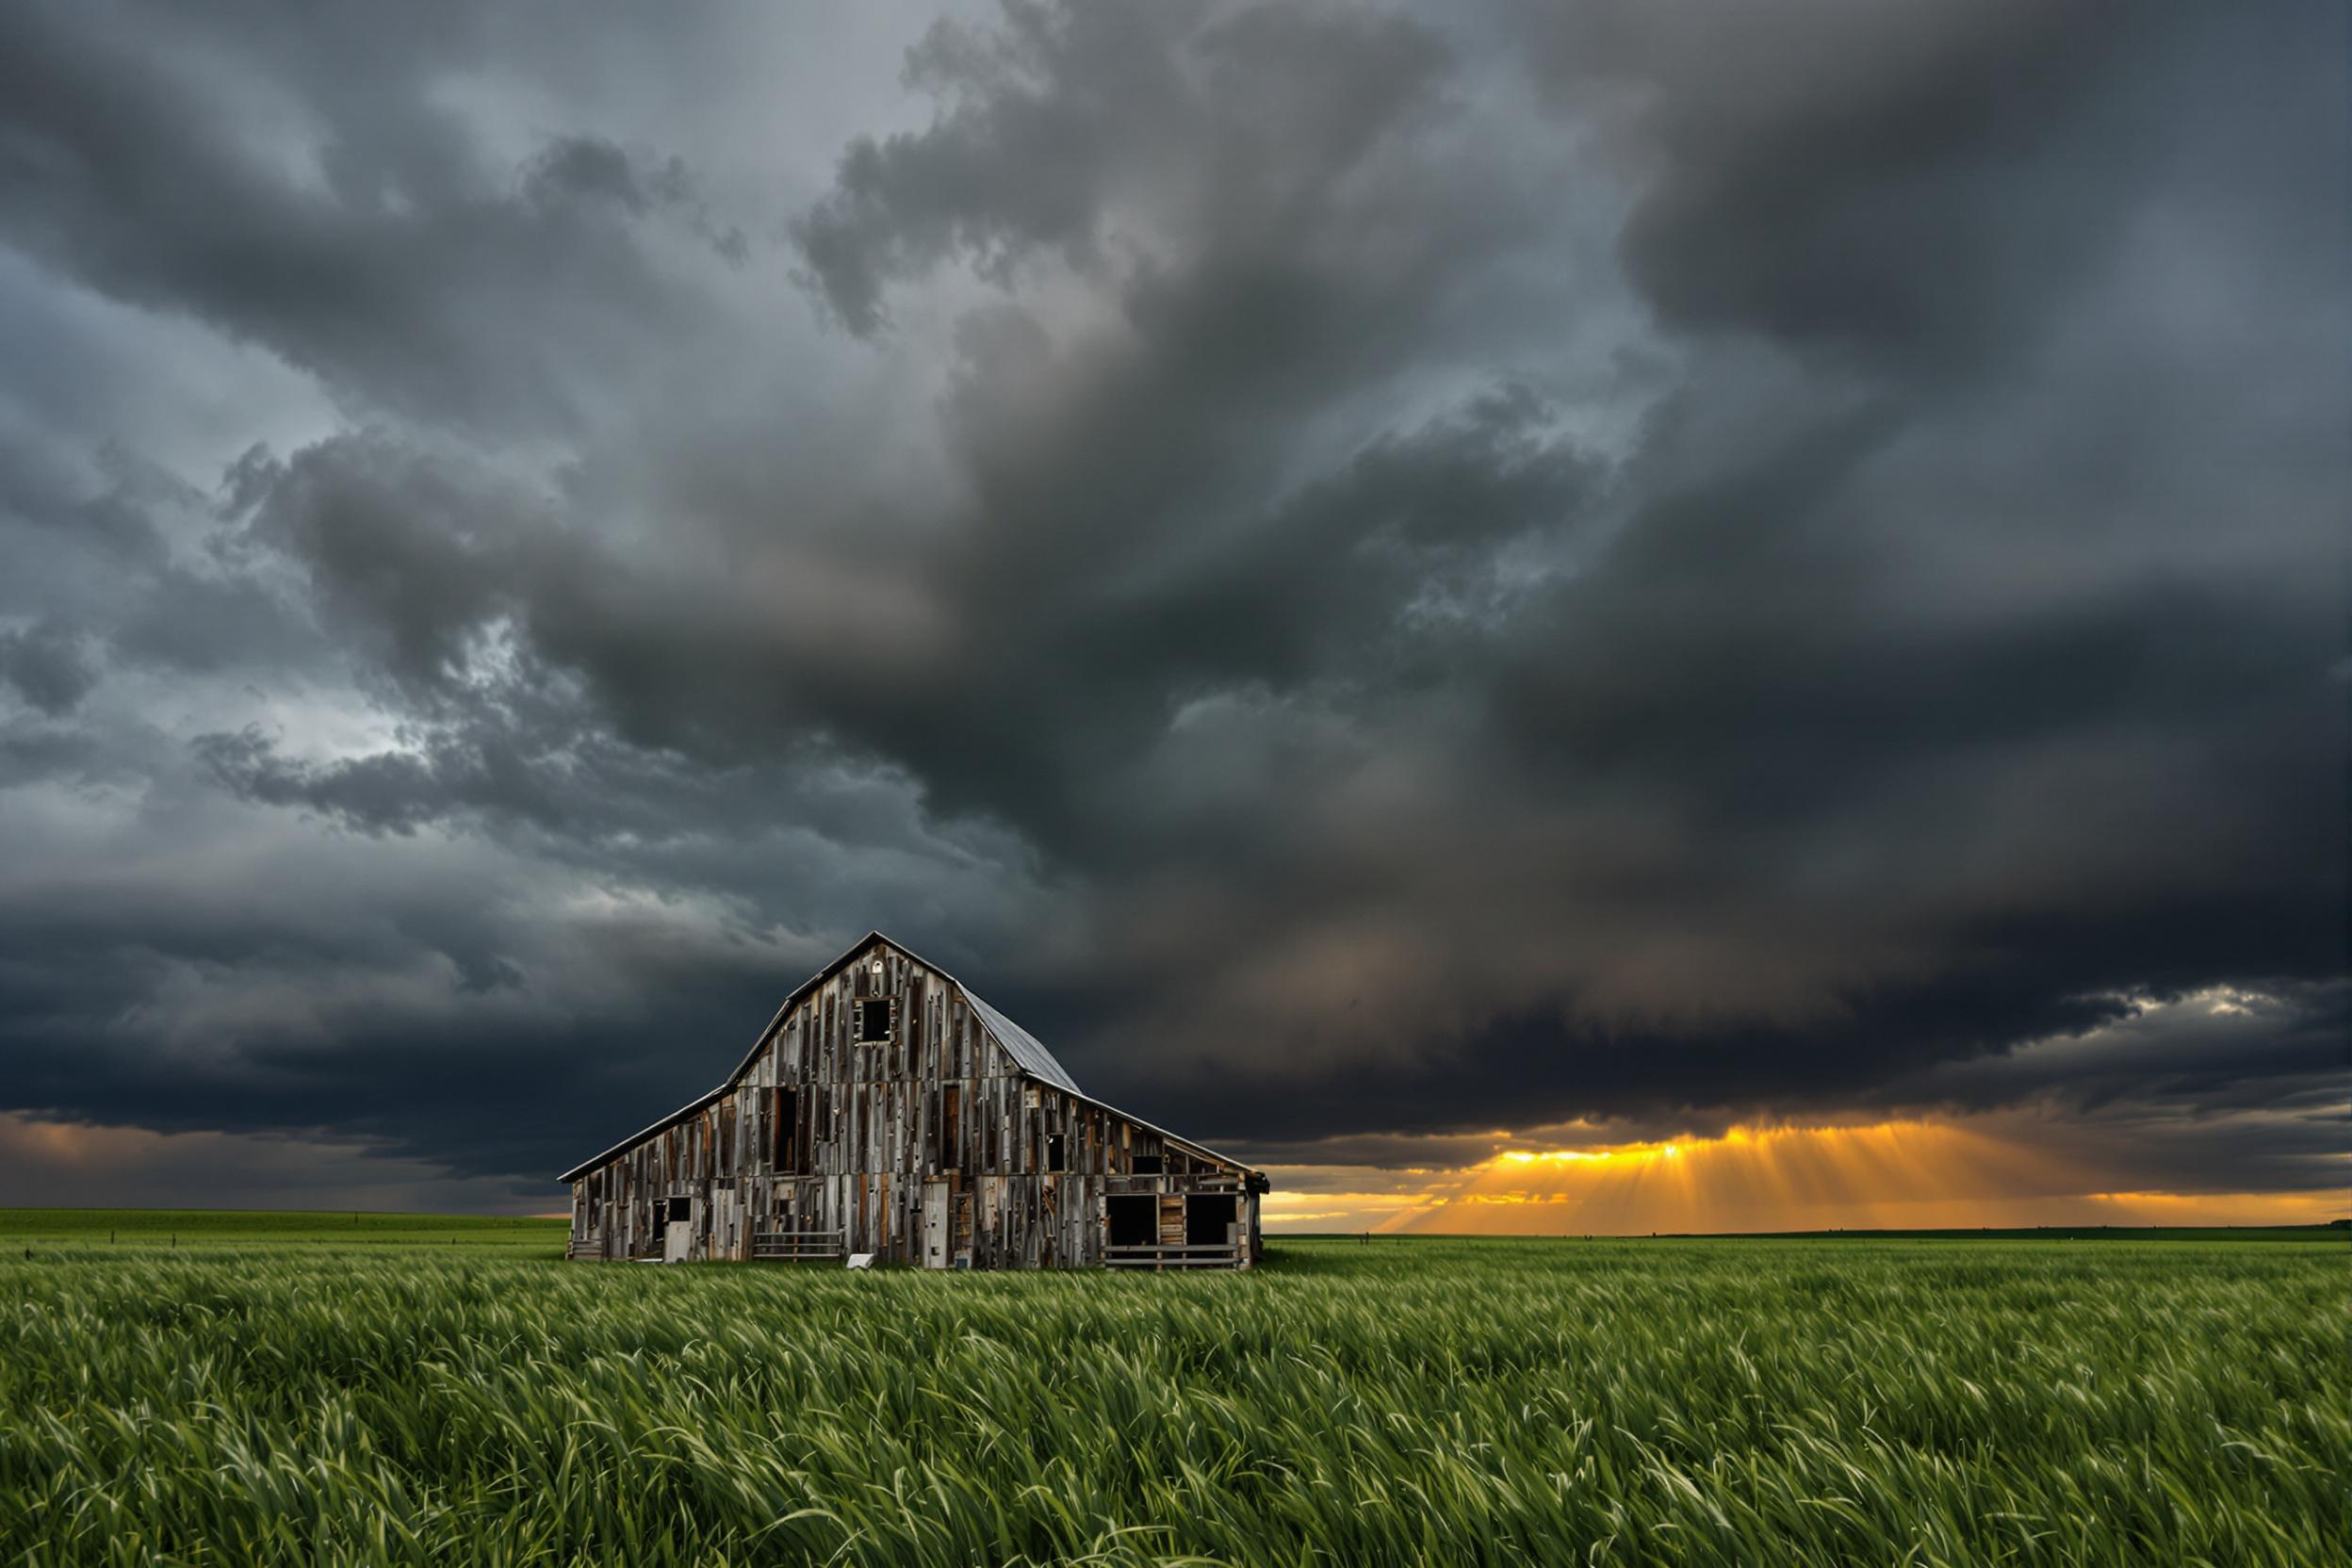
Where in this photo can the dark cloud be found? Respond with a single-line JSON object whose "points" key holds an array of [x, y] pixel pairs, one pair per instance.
{"points": [[1898, 181], [45, 662], [1373, 575], [296, 180], [1056, 122]]}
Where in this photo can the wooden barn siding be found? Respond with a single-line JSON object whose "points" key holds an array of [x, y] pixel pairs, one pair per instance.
{"points": [[871, 1124]]}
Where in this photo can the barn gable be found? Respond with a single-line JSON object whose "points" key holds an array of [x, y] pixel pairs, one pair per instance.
{"points": [[1022, 1052]]}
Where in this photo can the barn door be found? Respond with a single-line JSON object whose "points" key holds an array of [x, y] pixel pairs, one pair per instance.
{"points": [[677, 1239], [935, 1224]]}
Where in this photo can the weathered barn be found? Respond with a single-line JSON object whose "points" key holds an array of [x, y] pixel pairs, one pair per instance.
{"points": [[887, 1109]]}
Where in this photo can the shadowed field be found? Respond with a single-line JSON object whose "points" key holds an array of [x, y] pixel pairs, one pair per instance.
{"points": [[85, 1230], [284, 1389]]}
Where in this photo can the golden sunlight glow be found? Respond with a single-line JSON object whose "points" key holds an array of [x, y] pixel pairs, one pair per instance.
{"points": [[1588, 1156], [1915, 1174]]}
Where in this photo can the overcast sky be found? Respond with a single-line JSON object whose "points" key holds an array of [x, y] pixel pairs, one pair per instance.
{"points": [[1393, 584]]}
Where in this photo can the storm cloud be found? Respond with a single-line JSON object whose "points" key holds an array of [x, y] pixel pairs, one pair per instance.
{"points": [[1372, 574]]}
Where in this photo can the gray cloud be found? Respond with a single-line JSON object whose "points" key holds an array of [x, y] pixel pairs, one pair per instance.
{"points": [[1054, 122], [1373, 575], [297, 182], [45, 664], [1901, 182]]}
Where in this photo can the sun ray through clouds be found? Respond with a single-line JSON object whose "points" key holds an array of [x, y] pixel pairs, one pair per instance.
{"points": [[1918, 1173]]}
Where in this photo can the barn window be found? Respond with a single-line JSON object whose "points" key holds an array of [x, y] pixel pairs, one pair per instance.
{"points": [[1208, 1219], [1147, 1165], [1054, 1152], [873, 1020], [1134, 1221]]}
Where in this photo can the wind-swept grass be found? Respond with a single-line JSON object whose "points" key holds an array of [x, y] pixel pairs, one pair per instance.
{"points": [[1636, 1402]]}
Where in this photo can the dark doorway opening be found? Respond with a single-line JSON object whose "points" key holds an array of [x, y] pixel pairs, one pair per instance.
{"points": [[785, 1115], [1208, 1220], [1134, 1221]]}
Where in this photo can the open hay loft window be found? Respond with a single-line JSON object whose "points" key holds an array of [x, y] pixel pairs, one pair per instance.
{"points": [[874, 1016]]}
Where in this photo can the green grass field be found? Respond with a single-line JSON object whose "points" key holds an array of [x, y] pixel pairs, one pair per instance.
{"points": [[307, 1389]]}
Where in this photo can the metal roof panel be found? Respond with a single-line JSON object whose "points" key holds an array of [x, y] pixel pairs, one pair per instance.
{"points": [[1025, 1049]]}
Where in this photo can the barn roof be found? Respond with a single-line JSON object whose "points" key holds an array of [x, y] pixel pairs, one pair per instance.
{"points": [[1027, 1051], [1034, 1059]]}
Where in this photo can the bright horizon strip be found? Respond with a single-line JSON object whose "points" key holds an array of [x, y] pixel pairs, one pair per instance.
{"points": [[1911, 1174], [1908, 1174]]}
